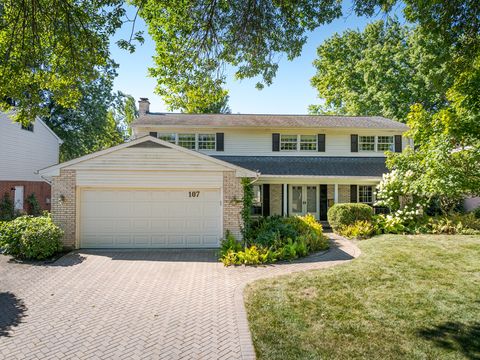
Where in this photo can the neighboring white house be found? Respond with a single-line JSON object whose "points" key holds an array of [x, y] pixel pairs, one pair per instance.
{"points": [[23, 150], [178, 183]]}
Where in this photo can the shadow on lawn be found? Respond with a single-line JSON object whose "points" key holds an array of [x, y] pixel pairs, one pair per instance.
{"points": [[12, 310], [455, 336]]}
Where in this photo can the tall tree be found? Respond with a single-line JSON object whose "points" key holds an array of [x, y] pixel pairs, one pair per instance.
{"points": [[58, 45], [382, 70], [100, 120]]}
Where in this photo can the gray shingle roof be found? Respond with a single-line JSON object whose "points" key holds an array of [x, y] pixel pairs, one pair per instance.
{"points": [[268, 121], [311, 165]]}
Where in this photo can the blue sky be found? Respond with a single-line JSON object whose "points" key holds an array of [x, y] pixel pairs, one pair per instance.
{"points": [[290, 93]]}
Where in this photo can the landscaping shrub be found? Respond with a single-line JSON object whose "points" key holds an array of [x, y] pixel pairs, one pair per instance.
{"points": [[358, 230], [7, 210], [476, 212], [29, 237], [466, 224], [33, 205], [340, 215], [275, 238]]}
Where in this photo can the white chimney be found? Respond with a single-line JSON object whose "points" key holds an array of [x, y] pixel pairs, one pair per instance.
{"points": [[143, 106]]}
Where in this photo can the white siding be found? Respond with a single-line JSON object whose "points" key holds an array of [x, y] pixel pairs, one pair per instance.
{"points": [[23, 152], [149, 179], [259, 141], [148, 159]]}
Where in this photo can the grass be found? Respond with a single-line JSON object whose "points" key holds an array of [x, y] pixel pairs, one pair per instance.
{"points": [[406, 297]]}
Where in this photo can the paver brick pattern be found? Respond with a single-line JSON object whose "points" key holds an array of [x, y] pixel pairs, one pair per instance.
{"points": [[126, 304]]}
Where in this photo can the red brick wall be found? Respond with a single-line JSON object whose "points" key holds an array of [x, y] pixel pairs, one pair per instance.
{"points": [[40, 188]]}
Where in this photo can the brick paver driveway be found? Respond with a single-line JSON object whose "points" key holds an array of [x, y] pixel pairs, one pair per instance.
{"points": [[168, 304]]}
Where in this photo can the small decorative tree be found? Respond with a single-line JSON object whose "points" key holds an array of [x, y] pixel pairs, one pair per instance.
{"points": [[7, 209], [33, 205]]}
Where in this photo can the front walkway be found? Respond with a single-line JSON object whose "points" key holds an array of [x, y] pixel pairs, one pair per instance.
{"points": [[167, 304]]}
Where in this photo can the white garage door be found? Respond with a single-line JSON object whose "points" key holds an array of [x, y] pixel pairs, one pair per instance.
{"points": [[177, 218]]}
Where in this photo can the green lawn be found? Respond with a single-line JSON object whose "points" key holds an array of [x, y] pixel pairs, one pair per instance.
{"points": [[405, 297]]}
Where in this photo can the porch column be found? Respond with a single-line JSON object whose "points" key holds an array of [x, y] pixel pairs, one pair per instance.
{"points": [[285, 199], [335, 194]]}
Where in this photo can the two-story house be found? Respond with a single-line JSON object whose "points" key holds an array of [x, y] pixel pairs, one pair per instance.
{"points": [[178, 183], [23, 150]]}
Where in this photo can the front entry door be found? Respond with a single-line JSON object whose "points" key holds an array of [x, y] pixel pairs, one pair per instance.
{"points": [[304, 199]]}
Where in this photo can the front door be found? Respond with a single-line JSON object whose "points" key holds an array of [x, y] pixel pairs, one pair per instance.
{"points": [[303, 200]]}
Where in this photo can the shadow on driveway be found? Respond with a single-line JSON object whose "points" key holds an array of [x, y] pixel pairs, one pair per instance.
{"points": [[12, 310], [166, 255]]}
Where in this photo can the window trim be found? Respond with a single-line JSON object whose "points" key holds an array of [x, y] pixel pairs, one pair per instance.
{"points": [[298, 143], [260, 201], [197, 141], [376, 143], [358, 194]]}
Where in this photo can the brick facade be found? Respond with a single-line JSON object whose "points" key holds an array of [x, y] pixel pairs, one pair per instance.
{"points": [[41, 189], [276, 199], [64, 205], [232, 204]]}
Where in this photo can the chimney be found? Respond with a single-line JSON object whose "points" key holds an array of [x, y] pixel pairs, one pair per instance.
{"points": [[143, 106]]}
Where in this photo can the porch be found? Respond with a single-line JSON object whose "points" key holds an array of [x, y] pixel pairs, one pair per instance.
{"points": [[292, 197]]}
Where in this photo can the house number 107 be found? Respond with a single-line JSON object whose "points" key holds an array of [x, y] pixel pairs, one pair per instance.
{"points": [[193, 193]]}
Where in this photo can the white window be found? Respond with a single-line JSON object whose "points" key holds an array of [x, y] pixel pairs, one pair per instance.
{"points": [[308, 142], [187, 141], [365, 194], [288, 142], [172, 138], [206, 141], [366, 143], [257, 199], [385, 143]]}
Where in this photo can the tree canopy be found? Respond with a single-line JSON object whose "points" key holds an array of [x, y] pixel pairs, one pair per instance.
{"points": [[60, 45]]}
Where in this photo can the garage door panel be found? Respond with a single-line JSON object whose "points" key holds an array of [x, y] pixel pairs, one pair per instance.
{"points": [[160, 218]]}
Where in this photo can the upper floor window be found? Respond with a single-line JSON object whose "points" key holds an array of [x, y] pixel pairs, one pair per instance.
{"points": [[365, 194], [187, 141], [366, 143], [28, 127], [171, 138], [191, 141], [288, 142], [385, 143], [376, 143], [308, 142], [206, 142], [298, 142]]}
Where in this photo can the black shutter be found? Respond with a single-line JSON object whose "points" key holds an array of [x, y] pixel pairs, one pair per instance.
{"points": [[266, 200], [275, 142], [398, 143], [321, 142], [153, 133], [353, 193], [220, 142], [354, 143]]}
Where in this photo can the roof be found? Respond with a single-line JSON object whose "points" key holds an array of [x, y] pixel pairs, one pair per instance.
{"points": [[310, 165], [145, 141], [267, 121]]}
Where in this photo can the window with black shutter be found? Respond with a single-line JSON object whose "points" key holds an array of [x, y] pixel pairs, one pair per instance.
{"points": [[354, 143], [353, 193], [321, 142], [275, 142], [398, 143], [220, 141]]}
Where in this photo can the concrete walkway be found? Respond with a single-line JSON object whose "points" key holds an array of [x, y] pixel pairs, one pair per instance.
{"points": [[166, 304]]}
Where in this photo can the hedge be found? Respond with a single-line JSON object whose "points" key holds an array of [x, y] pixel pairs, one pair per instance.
{"points": [[340, 215]]}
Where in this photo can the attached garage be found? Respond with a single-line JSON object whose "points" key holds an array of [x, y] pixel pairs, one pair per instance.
{"points": [[150, 218], [146, 194]]}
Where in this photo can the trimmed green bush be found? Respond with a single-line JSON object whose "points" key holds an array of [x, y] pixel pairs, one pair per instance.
{"points": [[29, 237], [359, 230], [340, 215]]}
